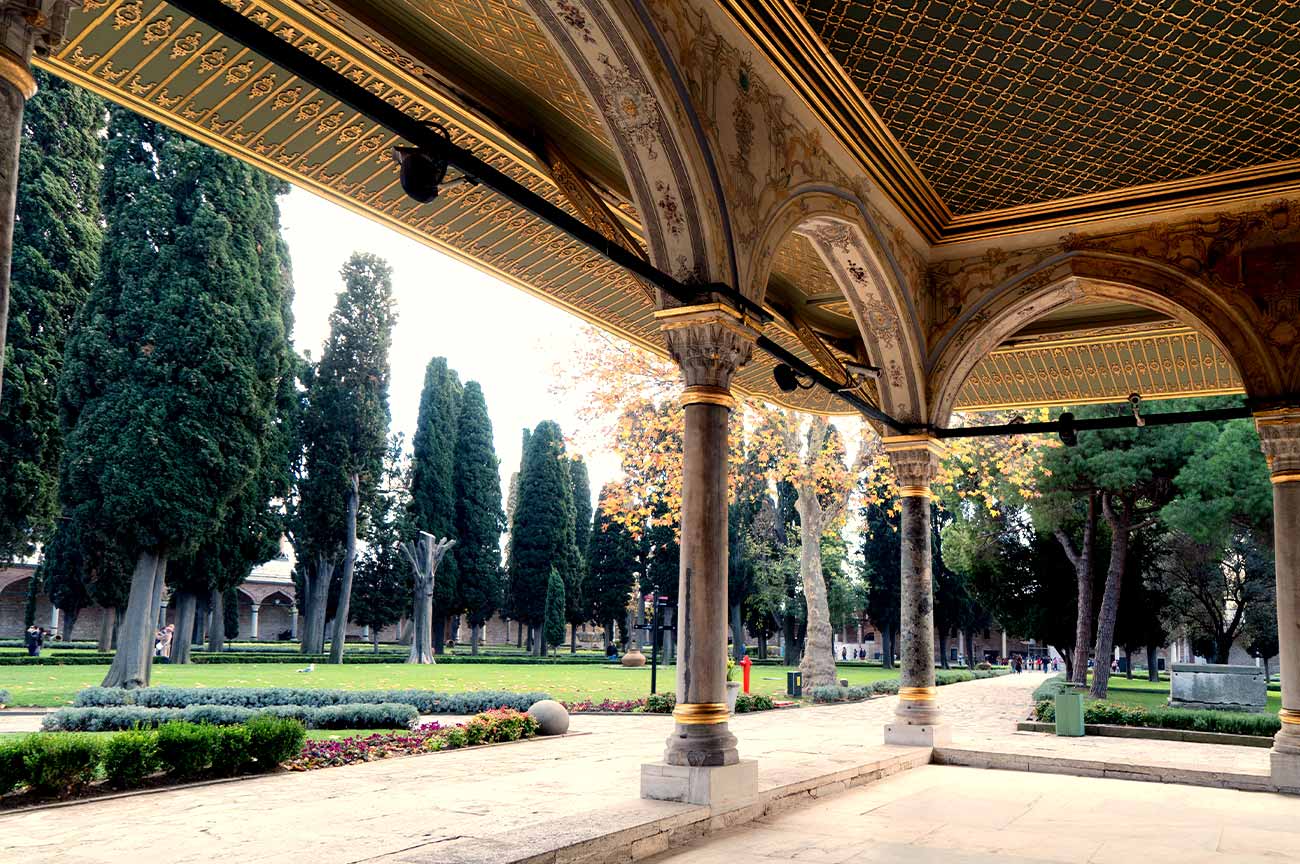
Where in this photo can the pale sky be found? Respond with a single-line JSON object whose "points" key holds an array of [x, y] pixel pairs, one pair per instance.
{"points": [[490, 332]]}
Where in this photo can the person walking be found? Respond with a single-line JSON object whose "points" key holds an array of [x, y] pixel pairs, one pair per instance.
{"points": [[30, 640]]}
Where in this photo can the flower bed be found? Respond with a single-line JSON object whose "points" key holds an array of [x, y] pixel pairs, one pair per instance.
{"points": [[489, 727], [661, 703], [113, 718], [424, 701]]}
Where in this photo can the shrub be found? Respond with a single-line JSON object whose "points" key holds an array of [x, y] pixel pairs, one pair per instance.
{"points": [[272, 740], [499, 724], [747, 703], [983, 666], [98, 697], [385, 715], [216, 715], [1113, 714], [885, 688], [107, 719], [60, 764], [424, 701], [232, 751], [823, 695], [4, 697], [130, 757], [185, 750], [660, 703], [1051, 688], [13, 773], [618, 706]]}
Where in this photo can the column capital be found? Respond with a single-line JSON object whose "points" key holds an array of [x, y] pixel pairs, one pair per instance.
{"points": [[710, 342], [1279, 438], [29, 27], [915, 461]]}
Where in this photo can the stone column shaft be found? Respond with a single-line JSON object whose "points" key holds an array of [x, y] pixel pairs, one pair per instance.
{"points": [[915, 460], [252, 624], [709, 343], [1279, 433]]}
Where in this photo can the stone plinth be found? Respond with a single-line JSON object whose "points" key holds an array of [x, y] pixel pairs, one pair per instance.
{"points": [[724, 786], [917, 735], [1221, 687]]}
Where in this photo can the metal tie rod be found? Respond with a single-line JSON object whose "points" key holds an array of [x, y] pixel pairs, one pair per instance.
{"points": [[1052, 427]]}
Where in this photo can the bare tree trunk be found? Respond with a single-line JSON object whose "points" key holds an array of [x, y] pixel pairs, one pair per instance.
{"points": [[349, 567], [134, 658], [886, 649], [374, 639], [216, 621], [1082, 561], [1153, 664], [183, 628], [424, 558], [475, 633], [1120, 524], [313, 629], [1068, 657], [573, 639], [1128, 663], [737, 632], [106, 622], [439, 635], [70, 617], [422, 628], [943, 650]]}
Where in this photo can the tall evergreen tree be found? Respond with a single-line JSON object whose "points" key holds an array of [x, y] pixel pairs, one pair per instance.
{"points": [[433, 483], [345, 435], [881, 552], [553, 628], [611, 568], [575, 590], [56, 245], [169, 385], [383, 592], [479, 519], [541, 537]]}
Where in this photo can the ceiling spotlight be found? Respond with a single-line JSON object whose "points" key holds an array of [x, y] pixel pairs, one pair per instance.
{"points": [[1065, 429], [1135, 399], [788, 380], [862, 371], [424, 170]]}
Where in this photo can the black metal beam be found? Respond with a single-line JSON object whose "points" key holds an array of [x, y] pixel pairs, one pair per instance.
{"points": [[235, 26], [1053, 427]]}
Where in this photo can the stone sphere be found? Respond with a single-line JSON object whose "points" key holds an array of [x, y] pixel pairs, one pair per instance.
{"points": [[551, 716], [633, 659]]}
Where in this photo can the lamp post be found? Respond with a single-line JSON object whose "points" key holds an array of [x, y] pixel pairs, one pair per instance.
{"points": [[660, 623]]}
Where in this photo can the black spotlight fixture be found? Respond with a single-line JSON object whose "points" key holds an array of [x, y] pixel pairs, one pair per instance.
{"points": [[424, 171], [1065, 429], [787, 379]]}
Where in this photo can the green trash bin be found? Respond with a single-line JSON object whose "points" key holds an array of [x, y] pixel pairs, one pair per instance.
{"points": [[1069, 714]]}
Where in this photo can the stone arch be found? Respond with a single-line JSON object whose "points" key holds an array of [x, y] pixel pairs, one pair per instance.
{"points": [[657, 137], [841, 229], [1073, 275]]}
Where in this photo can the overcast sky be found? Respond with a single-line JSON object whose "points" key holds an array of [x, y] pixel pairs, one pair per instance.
{"points": [[490, 332]]}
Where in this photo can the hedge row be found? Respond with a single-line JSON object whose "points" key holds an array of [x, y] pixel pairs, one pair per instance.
{"points": [[97, 658], [1051, 688], [424, 701], [386, 715], [73, 646], [63, 764], [890, 686], [1113, 714]]}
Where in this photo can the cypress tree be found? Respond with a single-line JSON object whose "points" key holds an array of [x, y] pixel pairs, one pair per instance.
{"points": [[611, 570], [541, 537], [575, 602], [553, 630], [479, 518], [56, 245], [345, 437], [165, 393], [433, 485]]}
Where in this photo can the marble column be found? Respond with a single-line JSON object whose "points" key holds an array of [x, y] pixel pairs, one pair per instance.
{"points": [[917, 722], [293, 622], [27, 28], [701, 764], [252, 624], [1279, 435]]}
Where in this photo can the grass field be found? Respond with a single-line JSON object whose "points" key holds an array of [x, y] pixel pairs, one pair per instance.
{"points": [[56, 685], [1155, 694]]}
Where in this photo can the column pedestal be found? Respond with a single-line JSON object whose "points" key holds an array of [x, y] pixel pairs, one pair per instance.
{"points": [[1279, 435], [917, 720]]}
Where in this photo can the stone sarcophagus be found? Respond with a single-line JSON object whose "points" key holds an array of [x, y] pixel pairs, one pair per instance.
{"points": [[1227, 688]]}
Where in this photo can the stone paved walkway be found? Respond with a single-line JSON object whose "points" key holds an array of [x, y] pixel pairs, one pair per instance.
{"points": [[407, 808], [942, 815]]}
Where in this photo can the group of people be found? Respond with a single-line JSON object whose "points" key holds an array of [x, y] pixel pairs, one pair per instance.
{"points": [[1037, 664], [34, 639], [162, 641], [858, 653]]}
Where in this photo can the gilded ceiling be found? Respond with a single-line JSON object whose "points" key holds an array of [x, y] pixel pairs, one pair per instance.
{"points": [[1015, 102]]}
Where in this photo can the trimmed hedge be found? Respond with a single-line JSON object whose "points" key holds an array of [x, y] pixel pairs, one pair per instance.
{"points": [[747, 703], [1113, 714], [834, 693], [4, 696], [1051, 688], [424, 701], [62, 764], [114, 718], [889, 687]]}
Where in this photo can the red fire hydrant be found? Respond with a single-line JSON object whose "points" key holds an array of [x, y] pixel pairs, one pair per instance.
{"points": [[745, 664]]}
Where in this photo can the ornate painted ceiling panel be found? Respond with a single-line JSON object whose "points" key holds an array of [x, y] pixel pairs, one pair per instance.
{"points": [[1015, 102], [1157, 363]]}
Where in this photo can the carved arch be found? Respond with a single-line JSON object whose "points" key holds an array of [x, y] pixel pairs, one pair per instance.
{"points": [[841, 229], [655, 133], [1070, 276]]}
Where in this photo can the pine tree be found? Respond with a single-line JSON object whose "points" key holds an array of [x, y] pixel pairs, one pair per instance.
{"points": [[479, 519], [166, 392], [345, 437], [56, 244], [433, 485], [541, 537], [553, 630], [611, 568], [575, 590]]}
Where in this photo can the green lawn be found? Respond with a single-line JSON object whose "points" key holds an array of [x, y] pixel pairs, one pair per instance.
{"points": [[1155, 694], [56, 685]]}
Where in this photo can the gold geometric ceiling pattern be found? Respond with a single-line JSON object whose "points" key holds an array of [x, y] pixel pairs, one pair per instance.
{"points": [[1100, 367], [1013, 102]]}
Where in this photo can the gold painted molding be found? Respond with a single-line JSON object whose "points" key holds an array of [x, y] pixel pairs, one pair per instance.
{"points": [[904, 443], [914, 492], [1289, 477], [701, 713], [1289, 716], [703, 394], [15, 71], [917, 694]]}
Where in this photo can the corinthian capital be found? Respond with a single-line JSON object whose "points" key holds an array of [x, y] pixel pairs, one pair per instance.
{"points": [[33, 26], [708, 342], [1279, 437], [915, 461]]}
